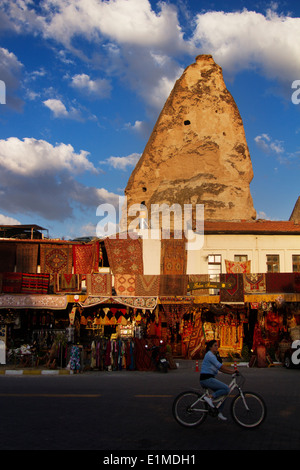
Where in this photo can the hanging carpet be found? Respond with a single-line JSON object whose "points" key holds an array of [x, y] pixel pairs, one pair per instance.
{"points": [[12, 283], [68, 283], [125, 284], [282, 282], [56, 259], [86, 258], [173, 256], [27, 258], [99, 284], [125, 256], [173, 285], [236, 293], [35, 283], [254, 283], [147, 284], [237, 267]]}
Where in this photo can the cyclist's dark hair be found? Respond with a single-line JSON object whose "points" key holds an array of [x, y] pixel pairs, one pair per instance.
{"points": [[210, 343]]}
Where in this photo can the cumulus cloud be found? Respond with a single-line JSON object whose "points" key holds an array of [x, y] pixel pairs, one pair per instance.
{"points": [[248, 39], [37, 177], [122, 163], [59, 110], [99, 87], [10, 74], [268, 145]]}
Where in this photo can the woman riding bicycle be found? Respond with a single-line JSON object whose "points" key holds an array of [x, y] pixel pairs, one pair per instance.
{"points": [[211, 365]]}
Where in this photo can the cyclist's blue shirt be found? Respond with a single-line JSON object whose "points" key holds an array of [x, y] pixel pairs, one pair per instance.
{"points": [[210, 364]]}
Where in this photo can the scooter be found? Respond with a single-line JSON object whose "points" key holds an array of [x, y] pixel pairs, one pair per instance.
{"points": [[157, 358]]}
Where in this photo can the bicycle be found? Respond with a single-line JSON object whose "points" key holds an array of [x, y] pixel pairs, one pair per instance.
{"points": [[248, 409]]}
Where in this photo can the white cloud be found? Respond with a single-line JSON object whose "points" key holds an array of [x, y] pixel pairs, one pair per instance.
{"points": [[5, 220], [268, 145], [98, 87], [39, 178], [122, 163], [59, 110], [10, 72], [247, 39], [33, 157]]}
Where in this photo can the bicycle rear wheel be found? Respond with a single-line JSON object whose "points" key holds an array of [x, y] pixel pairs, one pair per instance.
{"points": [[249, 410], [188, 410]]}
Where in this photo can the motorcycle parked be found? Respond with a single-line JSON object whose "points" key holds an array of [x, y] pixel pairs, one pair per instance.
{"points": [[157, 357]]}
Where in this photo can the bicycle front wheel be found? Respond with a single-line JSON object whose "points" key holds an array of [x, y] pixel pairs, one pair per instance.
{"points": [[188, 409], [248, 410]]}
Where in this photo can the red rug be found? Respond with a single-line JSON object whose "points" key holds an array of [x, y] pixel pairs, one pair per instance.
{"points": [[86, 258], [125, 256]]}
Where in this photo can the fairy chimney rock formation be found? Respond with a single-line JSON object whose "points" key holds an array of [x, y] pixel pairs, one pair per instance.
{"points": [[197, 152]]}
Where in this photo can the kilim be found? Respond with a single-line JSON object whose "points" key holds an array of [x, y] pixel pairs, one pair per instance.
{"points": [[281, 282], [86, 258], [27, 258], [236, 293], [68, 283], [99, 284], [125, 284], [237, 267], [35, 283], [254, 283], [173, 256], [56, 259], [173, 284], [147, 285], [12, 283], [125, 256]]}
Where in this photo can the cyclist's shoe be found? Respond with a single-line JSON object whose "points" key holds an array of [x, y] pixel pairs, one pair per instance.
{"points": [[222, 417], [209, 401]]}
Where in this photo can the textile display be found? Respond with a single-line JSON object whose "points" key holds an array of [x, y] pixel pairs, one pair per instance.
{"points": [[197, 339], [145, 303], [35, 283], [254, 283], [12, 283], [75, 358], [173, 256], [125, 255], [231, 338], [236, 293], [68, 283], [125, 284], [56, 259], [26, 258], [147, 285], [173, 285], [54, 302], [198, 278], [282, 282], [8, 257], [237, 267], [86, 258], [99, 284]]}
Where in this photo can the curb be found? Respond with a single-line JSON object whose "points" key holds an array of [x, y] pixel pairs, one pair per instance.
{"points": [[35, 372]]}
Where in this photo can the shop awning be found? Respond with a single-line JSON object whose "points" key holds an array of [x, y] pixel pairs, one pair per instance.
{"points": [[53, 302], [146, 303]]}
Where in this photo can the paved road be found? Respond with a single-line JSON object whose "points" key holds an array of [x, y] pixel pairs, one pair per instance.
{"points": [[119, 411]]}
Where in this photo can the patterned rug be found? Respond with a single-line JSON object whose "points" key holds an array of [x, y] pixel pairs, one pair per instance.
{"points": [[68, 283], [173, 284], [254, 283], [27, 258], [281, 282], [56, 259], [35, 283], [147, 285], [125, 256], [12, 283], [99, 284], [236, 293], [173, 256], [125, 284], [86, 258], [237, 267]]}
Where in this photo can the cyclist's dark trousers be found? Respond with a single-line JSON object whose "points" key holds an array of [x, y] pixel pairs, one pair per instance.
{"points": [[218, 387]]}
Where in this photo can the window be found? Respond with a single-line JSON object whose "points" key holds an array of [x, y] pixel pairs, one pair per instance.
{"points": [[273, 263], [296, 263], [214, 271], [240, 258]]}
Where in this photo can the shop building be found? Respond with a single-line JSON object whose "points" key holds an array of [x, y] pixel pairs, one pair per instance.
{"points": [[94, 305]]}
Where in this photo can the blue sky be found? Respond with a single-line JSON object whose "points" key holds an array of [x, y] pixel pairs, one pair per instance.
{"points": [[85, 81]]}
